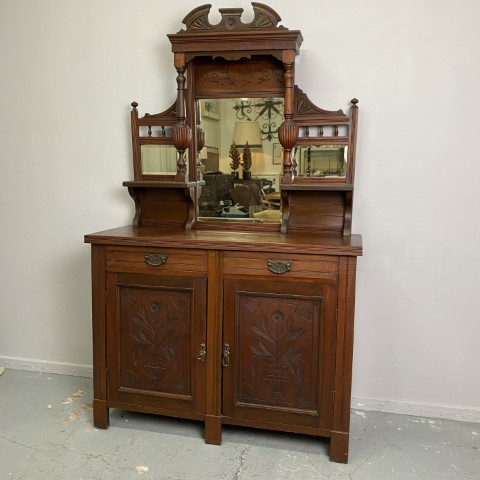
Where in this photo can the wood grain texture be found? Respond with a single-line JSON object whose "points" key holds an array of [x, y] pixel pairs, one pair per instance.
{"points": [[316, 211], [339, 447], [344, 342], [99, 337]]}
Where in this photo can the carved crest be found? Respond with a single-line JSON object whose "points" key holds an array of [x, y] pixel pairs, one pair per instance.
{"points": [[264, 17]]}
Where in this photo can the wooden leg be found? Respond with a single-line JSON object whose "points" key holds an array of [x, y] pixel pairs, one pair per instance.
{"points": [[339, 447], [213, 430], [100, 414]]}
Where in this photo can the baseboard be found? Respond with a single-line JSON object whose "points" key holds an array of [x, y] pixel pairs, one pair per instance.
{"points": [[389, 405], [459, 413], [46, 366]]}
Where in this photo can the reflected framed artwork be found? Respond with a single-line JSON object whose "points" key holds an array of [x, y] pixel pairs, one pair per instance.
{"points": [[211, 109], [277, 154]]}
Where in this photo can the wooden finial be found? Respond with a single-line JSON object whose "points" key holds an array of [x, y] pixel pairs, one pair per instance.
{"points": [[354, 101], [134, 105]]}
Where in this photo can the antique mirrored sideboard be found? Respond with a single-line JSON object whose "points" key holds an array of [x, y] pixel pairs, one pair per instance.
{"points": [[230, 299]]}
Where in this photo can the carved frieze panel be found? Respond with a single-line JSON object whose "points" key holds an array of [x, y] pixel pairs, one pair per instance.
{"points": [[278, 338], [155, 340], [233, 78]]}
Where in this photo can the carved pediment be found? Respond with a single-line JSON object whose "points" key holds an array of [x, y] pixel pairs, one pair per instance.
{"points": [[305, 108], [197, 19], [167, 117]]}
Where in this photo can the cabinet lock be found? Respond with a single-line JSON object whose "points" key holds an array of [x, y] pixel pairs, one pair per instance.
{"points": [[226, 355], [202, 353]]}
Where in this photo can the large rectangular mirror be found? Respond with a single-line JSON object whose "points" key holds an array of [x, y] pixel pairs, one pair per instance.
{"points": [[241, 161]]}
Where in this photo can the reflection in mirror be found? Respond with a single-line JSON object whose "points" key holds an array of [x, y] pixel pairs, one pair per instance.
{"points": [[159, 159], [321, 160], [241, 160]]}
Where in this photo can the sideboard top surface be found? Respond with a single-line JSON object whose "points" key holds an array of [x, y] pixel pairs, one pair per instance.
{"points": [[229, 240]]}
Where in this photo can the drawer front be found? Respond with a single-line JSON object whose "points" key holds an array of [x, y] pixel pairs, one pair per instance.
{"points": [[155, 260], [281, 265]]}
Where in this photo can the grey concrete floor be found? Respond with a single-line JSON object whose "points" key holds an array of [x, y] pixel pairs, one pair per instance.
{"points": [[46, 433]]}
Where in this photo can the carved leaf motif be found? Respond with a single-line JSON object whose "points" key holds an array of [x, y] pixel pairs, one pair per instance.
{"points": [[140, 318], [169, 348], [294, 363], [260, 349], [262, 357], [141, 339], [293, 332], [261, 330], [154, 341], [286, 350]]}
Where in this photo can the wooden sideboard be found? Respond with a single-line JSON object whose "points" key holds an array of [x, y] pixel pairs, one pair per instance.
{"points": [[227, 321], [198, 325]]}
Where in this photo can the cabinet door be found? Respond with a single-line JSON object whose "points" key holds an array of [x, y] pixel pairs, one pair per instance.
{"points": [[281, 364], [156, 328]]}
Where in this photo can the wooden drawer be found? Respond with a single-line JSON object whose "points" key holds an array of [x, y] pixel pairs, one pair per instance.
{"points": [[281, 265], [155, 260]]}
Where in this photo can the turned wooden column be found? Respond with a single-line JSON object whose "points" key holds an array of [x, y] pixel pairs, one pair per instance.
{"points": [[288, 131], [182, 133]]}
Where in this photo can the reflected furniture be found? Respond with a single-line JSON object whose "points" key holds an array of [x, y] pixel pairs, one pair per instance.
{"points": [[238, 321]]}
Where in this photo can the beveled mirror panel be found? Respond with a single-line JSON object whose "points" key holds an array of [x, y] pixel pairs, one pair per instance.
{"points": [[321, 161], [159, 159], [241, 184]]}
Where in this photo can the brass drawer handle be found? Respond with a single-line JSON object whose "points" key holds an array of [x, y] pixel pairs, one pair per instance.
{"points": [[226, 355], [279, 266], [155, 260], [202, 353]]}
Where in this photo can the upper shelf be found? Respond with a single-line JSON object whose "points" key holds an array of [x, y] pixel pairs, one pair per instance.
{"points": [[319, 187]]}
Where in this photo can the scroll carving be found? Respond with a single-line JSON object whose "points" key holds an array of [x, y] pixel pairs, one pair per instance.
{"points": [[240, 76], [264, 17]]}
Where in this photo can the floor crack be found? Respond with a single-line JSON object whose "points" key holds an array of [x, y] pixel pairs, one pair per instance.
{"points": [[243, 456], [30, 447]]}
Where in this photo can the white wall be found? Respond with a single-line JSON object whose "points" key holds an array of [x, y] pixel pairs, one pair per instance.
{"points": [[69, 70]]}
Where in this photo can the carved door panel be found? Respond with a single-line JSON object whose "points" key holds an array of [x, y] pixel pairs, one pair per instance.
{"points": [[281, 340], [156, 328]]}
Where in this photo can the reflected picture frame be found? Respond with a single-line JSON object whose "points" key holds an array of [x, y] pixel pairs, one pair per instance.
{"points": [[210, 109], [277, 154]]}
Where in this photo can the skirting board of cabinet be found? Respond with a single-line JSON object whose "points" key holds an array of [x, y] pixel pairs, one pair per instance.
{"points": [[46, 366], [461, 413]]}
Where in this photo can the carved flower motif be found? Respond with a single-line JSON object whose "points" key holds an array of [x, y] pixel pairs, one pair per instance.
{"points": [[278, 316]]}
